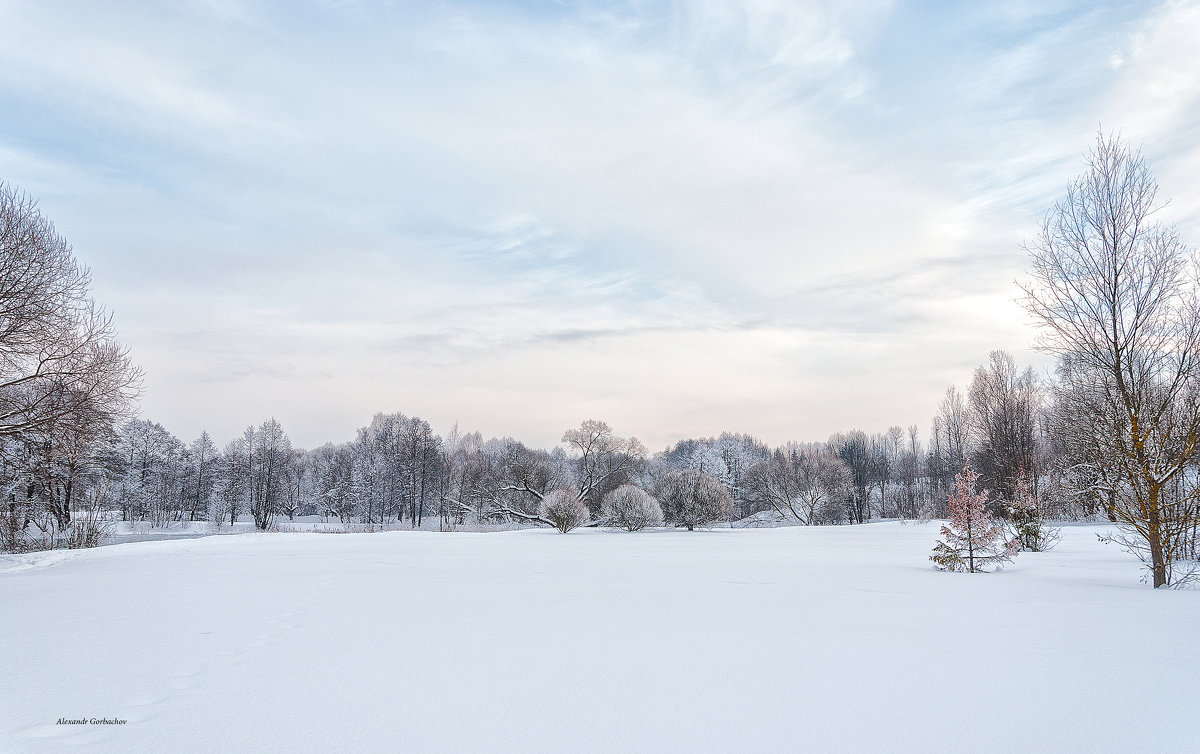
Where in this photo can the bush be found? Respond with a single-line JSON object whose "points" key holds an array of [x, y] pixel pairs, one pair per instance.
{"points": [[563, 509], [26, 527], [692, 498], [631, 508]]}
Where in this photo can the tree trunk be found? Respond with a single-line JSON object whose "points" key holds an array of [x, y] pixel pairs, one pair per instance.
{"points": [[62, 511], [1158, 562], [970, 549]]}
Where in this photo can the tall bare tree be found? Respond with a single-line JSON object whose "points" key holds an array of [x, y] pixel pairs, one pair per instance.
{"points": [[1116, 293], [948, 445], [1004, 405], [58, 352], [853, 448]]}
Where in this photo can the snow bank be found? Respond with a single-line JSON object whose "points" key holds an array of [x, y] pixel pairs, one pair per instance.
{"points": [[840, 638]]}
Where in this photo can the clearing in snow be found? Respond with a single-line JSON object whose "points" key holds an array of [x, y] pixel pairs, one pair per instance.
{"points": [[787, 639]]}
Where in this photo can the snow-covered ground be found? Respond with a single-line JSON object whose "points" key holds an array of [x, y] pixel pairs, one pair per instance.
{"points": [[778, 639], [121, 532]]}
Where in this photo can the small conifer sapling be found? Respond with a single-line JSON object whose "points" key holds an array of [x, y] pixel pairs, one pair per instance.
{"points": [[973, 539]]}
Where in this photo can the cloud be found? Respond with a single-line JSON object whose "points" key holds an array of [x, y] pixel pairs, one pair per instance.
{"points": [[783, 218]]}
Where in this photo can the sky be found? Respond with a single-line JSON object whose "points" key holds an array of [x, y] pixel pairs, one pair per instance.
{"points": [[775, 217]]}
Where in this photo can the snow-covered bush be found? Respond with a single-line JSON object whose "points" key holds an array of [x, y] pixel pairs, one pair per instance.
{"points": [[631, 508], [692, 498], [14, 518], [28, 528], [974, 539], [563, 508]]}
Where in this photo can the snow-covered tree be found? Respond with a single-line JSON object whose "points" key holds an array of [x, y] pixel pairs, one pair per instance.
{"points": [[331, 469], [807, 483], [153, 465], [564, 509], [466, 467], [631, 508], [1027, 521], [203, 455], [854, 448], [973, 540], [727, 458], [516, 479], [605, 460], [692, 498], [270, 453]]}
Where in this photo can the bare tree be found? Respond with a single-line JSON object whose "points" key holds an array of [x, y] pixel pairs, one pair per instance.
{"points": [[518, 480], [948, 440], [910, 468], [1116, 292], [805, 483], [464, 489], [605, 461], [1004, 405], [853, 448], [58, 352]]}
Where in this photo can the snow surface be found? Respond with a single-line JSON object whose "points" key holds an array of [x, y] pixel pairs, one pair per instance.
{"points": [[121, 532], [778, 639]]}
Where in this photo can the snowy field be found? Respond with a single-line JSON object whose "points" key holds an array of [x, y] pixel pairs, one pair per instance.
{"points": [[796, 639]]}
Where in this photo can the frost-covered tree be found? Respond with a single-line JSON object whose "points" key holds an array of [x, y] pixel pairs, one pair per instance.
{"points": [[563, 509], [270, 452], [740, 453], [692, 498], [516, 479], [631, 508], [809, 484], [297, 492], [153, 484], [1027, 521], [854, 449], [203, 453], [973, 539], [727, 458], [336, 492], [465, 468], [605, 461], [231, 490]]}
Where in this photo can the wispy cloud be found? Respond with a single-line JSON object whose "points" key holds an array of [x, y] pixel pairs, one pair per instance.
{"points": [[778, 217]]}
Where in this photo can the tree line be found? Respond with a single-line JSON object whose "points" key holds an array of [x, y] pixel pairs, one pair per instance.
{"points": [[398, 470]]}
